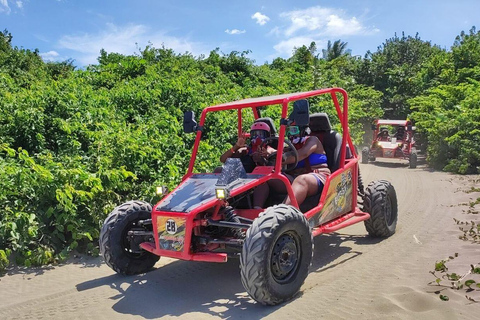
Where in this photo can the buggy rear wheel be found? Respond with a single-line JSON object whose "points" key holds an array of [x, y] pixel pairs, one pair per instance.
{"points": [[276, 255], [381, 204], [115, 247]]}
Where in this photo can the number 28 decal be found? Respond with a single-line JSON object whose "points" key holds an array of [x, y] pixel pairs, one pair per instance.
{"points": [[171, 226]]}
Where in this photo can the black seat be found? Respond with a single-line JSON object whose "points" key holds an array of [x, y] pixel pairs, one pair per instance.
{"points": [[331, 140]]}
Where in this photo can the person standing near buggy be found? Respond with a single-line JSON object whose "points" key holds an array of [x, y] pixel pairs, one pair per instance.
{"points": [[250, 154], [310, 174]]}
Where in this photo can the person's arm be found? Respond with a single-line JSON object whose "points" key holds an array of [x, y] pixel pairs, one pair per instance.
{"points": [[313, 145], [262, 154], [236, 150]]}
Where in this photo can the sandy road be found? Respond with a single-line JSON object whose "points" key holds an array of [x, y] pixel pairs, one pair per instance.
{"points": [[352, 275]]}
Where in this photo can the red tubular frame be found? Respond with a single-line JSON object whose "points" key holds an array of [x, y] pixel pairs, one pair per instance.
{"points": [[349, 218]]}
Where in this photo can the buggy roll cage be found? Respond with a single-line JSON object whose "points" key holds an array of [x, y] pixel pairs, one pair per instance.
{"points": [[283, 100]]}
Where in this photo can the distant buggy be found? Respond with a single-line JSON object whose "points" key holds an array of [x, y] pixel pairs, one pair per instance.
{"points": [[210, 217], [392, 139]]}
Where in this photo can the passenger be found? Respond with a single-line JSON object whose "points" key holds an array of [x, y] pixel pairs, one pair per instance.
{"points": [[400, 134], [250, 154], [309, 175]]}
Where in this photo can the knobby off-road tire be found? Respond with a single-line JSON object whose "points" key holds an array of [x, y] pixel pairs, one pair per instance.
{"points": [[381, 204], [412, 161], [114, 244], [360, 191], [276, 255], [365, 155]]}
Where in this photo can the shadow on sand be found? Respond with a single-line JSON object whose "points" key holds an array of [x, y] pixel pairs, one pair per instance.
{"points": [[398, 163], [183, 287]]}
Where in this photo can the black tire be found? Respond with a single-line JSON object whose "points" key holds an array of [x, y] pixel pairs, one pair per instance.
{"points": [[412, 161], [114, 244], [381, 204], [365, 155], [360, 190], [276, 255]]}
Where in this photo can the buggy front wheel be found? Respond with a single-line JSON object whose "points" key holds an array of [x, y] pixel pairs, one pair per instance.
{"points": [[276, 255], [118, 251], [412, 160], [365, 153]]}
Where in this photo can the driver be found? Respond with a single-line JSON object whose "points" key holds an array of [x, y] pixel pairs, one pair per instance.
{"points": [[308, 176], [250, 154], [383, 135]]}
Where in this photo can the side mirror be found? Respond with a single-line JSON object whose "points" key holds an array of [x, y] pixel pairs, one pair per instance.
{"points": [[189, 123], [301, 113], [373, 127]]}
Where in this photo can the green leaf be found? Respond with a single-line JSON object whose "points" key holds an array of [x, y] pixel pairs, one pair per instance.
{"points": [[468, 283], [444, 297], [440, 266]]}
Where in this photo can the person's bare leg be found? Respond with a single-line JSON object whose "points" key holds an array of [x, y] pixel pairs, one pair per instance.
{"points": [[260, 195], [262, 192], [303, 186]]}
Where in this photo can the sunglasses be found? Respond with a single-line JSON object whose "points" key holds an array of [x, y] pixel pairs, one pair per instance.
{"points": [[293, 130], [258, 134]]}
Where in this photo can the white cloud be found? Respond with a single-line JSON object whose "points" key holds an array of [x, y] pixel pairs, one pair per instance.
{"points": [[317, 24], [50, 56], [19, 4], [235, 31], [261, 18], [324, 22], [4, 7], [125, 40]]}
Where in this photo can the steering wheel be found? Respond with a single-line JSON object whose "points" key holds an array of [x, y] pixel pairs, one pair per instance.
{"points": [[272, 157]]}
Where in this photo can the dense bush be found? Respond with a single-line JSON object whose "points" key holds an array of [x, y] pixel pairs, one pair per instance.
{"points": [[76, 143]]}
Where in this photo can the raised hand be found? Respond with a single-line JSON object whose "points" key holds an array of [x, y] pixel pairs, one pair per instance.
{"points": [[241, 140]]}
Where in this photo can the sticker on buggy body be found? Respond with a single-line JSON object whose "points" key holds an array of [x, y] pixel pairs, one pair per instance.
{"points": [[339, 197], [171, 233]]}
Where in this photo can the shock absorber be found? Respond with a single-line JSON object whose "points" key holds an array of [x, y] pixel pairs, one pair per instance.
{"points": [[230, 216]]}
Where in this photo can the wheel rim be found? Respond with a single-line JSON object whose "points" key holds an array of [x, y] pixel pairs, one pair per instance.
{"points": [[285, 257]]}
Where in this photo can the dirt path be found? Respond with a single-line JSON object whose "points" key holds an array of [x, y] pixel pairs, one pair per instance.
{"points": [[352, 275]]}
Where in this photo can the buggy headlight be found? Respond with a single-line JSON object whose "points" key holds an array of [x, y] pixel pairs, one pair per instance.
{"points": [[221, 193], [161, 190]]}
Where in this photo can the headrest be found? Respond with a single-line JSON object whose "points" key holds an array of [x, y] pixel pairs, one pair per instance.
{"points": [[300, 113], [268, 121], [320, 122]]}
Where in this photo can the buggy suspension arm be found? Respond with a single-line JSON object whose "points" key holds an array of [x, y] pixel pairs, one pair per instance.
{"points": [[227, 224]]}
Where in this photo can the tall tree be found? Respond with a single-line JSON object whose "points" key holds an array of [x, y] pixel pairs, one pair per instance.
{"points": [[392, 70], [338, 49]]}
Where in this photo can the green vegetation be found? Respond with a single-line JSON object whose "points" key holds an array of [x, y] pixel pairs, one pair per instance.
{"points": [[76, 143]]}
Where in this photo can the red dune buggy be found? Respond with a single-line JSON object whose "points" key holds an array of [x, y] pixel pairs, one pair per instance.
{"points": [[210, 217], [392, 139]]}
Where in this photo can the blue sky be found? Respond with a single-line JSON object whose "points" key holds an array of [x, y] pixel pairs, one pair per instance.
{"points": [[79, 29]]}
